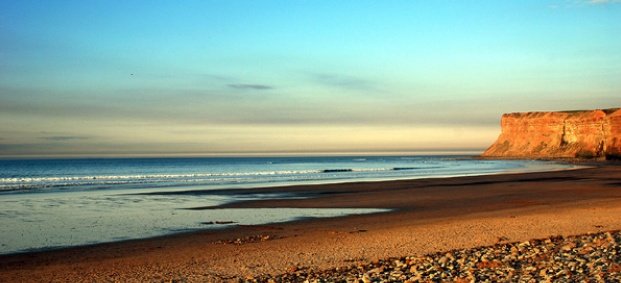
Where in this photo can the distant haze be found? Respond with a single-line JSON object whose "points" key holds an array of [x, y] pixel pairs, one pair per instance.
{"points": [[85, 78]]}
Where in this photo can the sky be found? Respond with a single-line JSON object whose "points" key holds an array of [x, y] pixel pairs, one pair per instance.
{"points": [[92, 78]]}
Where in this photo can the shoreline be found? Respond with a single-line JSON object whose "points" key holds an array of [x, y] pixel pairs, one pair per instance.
{"points": [[575, 164], [58, 230], [431, 208]]}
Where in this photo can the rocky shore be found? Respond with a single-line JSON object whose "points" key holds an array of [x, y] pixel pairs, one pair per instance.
{"points": [[588, 257]]}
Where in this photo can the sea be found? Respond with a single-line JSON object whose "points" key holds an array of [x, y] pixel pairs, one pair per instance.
{"points": [[54, 203]]}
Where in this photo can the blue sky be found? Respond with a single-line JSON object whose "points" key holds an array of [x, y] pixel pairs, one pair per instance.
{"points": [[215, 77]]}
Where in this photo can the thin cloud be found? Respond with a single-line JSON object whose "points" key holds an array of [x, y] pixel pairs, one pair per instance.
{"points": [[600, 2], [9, 147], [343, 81], [581, 3], [63, 138], [251, 86], [29, 148]]}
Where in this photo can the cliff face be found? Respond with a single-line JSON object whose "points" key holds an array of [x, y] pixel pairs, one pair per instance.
{"points": [[571, 134]]}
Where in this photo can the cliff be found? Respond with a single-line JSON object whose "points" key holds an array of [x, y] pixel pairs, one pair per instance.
{"points": [[569, 134]]}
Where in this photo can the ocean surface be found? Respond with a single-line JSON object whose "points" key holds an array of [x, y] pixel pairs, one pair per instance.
{"points": [[51, 203]]}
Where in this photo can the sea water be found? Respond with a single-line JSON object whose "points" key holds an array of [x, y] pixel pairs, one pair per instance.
{"points": [[49, 203]]}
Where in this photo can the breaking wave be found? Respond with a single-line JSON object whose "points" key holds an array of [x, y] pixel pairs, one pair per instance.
{"points": [[26, 183]]}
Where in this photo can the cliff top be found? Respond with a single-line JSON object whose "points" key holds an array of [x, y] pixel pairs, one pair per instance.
{"points": [[569, 113]]}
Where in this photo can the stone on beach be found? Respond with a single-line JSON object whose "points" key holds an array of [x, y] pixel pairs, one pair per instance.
{"points": [[577, 258]]}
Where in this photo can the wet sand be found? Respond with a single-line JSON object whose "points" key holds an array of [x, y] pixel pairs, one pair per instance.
{"points": [[428, 215]]}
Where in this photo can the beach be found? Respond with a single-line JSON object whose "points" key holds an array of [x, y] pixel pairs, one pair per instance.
{"points": [[423, 216]]}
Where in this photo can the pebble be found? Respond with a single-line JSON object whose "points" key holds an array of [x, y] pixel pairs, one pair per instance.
{"points": [[589, 257]]}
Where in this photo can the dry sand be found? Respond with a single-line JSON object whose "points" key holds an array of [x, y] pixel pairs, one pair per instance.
{"points": [[429, 215]]}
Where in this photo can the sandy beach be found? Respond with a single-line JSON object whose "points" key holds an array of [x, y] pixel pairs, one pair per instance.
{"points": [[426, 216]]}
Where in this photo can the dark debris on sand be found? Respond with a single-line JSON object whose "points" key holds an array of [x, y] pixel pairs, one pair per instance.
{"points": [[588, 258]]}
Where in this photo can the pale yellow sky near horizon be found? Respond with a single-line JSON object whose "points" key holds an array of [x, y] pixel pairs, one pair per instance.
{"points": [[244, 139]]}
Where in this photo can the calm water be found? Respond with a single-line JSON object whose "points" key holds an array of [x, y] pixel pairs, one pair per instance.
{"points": [[65, 202]]}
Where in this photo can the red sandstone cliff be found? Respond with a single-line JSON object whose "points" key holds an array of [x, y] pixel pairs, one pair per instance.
{"points": [[570, 134]]}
